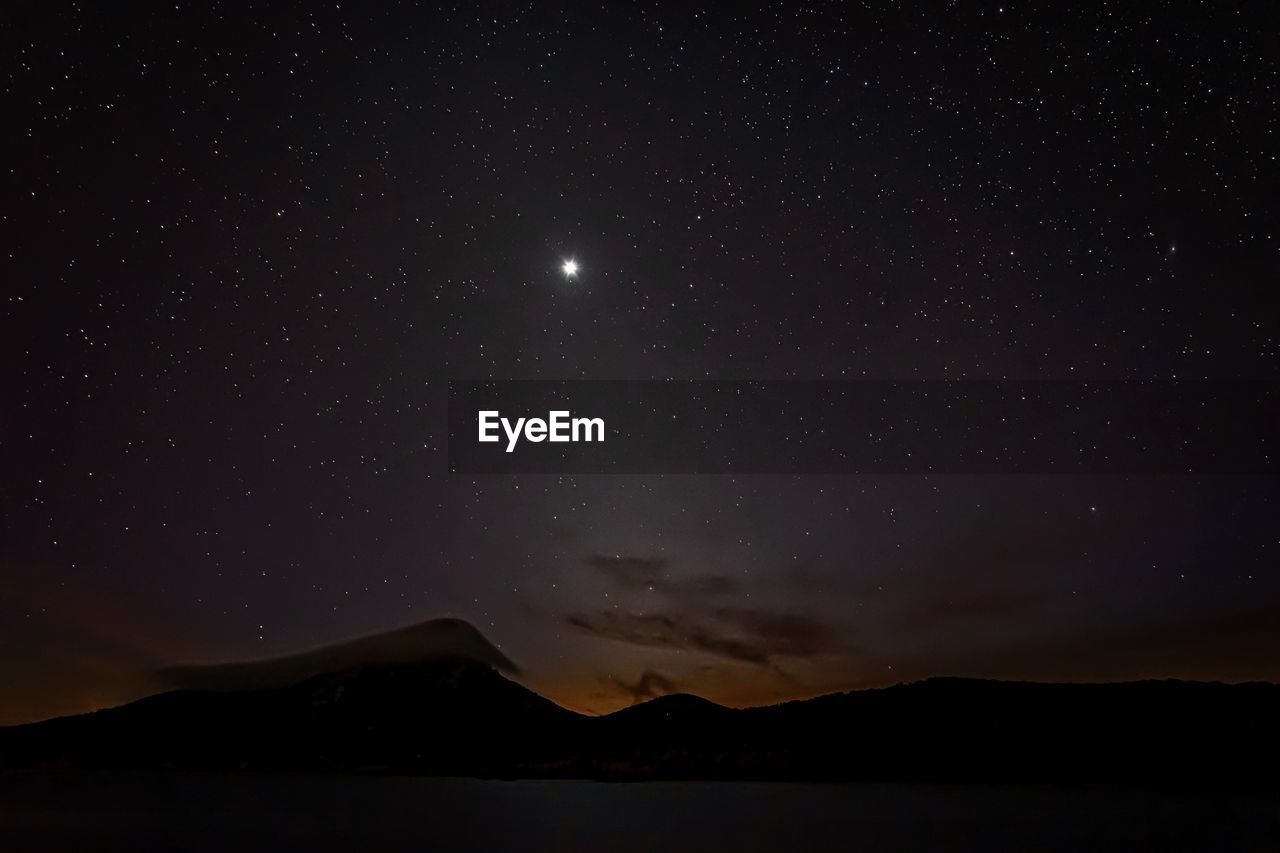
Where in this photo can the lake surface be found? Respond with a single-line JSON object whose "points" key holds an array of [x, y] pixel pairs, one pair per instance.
{"points": [[196, 812]]}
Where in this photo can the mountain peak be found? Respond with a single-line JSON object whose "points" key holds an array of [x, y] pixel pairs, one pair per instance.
{"points": [[433, 639]]}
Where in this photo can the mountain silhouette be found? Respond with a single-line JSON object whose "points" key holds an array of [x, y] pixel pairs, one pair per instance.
{"points": [[447, 714], [424, 640]]}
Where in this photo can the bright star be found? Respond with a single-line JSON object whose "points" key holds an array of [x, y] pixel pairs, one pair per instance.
{"points": [[570, 268]]}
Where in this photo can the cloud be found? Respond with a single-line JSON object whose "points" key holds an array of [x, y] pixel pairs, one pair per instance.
{"points": [[650, 685], [789, 634], [433, 638], [630, 571], [750, 636], [694, 615], [650, 573], [638, 629], [712, 585]]}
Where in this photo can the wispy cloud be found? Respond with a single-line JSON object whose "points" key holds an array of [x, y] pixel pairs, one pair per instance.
{"points": [[653, 574], [650, 685], [693, 615]]}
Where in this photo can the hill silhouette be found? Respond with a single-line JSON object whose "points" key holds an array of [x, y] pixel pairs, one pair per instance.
{"points": [[433, 638], [456, 716]]}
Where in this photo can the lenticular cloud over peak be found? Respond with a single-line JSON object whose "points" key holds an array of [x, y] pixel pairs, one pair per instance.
{"points": [[434, 638]]}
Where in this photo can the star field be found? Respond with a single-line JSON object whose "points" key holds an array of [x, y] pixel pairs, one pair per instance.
{"points": [[245, 248]]}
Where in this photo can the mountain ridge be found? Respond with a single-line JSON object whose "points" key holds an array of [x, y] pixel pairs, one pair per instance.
{"points": [[455, 716]]}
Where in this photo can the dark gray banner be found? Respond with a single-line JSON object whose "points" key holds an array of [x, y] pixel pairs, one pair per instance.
{"points": [[863, 427]]}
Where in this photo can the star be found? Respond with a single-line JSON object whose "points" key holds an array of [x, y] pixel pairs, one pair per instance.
{"points": [[570, 268]]}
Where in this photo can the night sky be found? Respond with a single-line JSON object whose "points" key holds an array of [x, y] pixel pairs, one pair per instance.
{"points": [[245, 247]]}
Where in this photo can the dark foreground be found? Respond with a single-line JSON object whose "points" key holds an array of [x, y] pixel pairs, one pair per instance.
{"points": [[191, 811], [453, 717]]}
